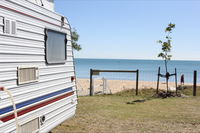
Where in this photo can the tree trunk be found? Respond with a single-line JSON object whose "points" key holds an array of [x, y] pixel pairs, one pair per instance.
{"points": [[167, 84], [166, 66], [167, 77]]}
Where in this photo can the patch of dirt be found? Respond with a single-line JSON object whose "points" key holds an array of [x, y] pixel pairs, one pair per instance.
{"points": [[164, 94]]}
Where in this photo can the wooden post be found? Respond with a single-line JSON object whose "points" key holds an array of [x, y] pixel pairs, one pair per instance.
{"points": [[91, 83], [158, 80], [137, 79], [195, 83], [176, 82]]}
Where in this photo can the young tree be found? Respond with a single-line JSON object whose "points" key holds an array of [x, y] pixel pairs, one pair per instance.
{"points": [[75, 37], [166, 49], [166, 45]]}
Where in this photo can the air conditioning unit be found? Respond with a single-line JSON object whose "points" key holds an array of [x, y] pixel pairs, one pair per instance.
{"points": [[27, 75]]}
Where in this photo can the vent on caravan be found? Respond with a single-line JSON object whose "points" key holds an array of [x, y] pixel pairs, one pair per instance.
{"points": [[27, 75], [30, 127], [10, 27], [7, 26], [14, 29]]}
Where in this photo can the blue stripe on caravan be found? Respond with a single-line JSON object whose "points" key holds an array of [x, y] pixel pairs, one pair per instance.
{"points": [[32, 101]]}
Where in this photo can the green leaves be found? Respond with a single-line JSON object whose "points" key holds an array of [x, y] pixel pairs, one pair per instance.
{"points": [[170, 27], [75, 38], [165, 56], [161, 55], [159, 41], [169, 57], [76, 46], [166, 45]]}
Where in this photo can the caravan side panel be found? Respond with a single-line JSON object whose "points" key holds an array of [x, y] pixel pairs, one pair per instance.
{"points": [[50, 95]]}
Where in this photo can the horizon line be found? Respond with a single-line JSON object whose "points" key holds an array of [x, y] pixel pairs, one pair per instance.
{"points": [[133, 59]]}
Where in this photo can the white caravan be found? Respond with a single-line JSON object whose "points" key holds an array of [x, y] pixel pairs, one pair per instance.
{"points": [[37, 76]]}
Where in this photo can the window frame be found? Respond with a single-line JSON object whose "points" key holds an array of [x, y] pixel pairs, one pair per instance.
{"points": [[46, 47]]}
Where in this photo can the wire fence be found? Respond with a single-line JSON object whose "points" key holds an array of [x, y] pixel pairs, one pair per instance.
{"points": [[112, 82], [112, 86]]}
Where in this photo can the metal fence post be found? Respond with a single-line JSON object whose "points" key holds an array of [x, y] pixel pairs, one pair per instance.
{"points": [[158, 80], [195, 83], [176, 81], [91, 84], [137, 78]]}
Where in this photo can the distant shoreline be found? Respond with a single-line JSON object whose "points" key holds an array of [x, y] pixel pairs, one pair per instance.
{"points": [[129, 80]]}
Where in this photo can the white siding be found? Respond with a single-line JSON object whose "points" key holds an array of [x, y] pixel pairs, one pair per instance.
{"points": [[48, 4], [50, 109], [1, 25], [27, 48]]}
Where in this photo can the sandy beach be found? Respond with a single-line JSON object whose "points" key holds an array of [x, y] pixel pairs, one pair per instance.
{"points": [[113, 86]]}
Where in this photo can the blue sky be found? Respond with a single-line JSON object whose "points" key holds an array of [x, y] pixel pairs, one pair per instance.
{"points": [[129, 29]]}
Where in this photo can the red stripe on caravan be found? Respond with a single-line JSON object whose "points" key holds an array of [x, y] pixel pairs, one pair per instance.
{"points": [[10, 117], [30, 16]]}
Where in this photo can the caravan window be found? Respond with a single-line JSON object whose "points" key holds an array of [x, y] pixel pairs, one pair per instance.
{"points": [[55, 47]]}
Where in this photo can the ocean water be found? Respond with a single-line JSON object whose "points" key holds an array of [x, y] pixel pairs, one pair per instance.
{"points": [[148, 69]]}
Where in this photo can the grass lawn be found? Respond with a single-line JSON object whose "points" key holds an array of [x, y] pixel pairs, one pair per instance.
{"points": [[111, 113]]}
